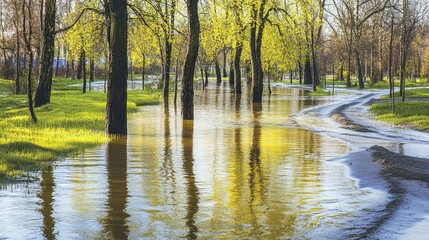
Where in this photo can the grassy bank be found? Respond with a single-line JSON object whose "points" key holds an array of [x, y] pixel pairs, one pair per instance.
{"points": [[71, 123], [409, 113], [5, 86]]}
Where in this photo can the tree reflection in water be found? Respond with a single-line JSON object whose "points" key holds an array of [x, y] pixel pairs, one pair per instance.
{"points": [[192, 189], [115, 223], [46, 195]]}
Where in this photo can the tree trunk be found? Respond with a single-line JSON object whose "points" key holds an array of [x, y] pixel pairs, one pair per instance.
{"points": [[249, 74], [231, 74], [72, 69], [84, 71], [143, 70], [58, 60], [206, 75], [202, 78], [17, 68], [237, 69], [43, 90], [359, 64], [91, 73], [218, 73], [349, 70], [116, 109], [67, 69], [167, 67], [256, 34], [27, 40], [291, 76], [79, 67], [224, 64], [191, 59], [308, 77], [300, 71], [176, 80], [316, 77]]}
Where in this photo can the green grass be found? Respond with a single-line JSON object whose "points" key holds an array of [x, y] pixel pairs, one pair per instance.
{"points": [[415, 114], [71, 123], [320, 92], [413, 93], [5, 86]]}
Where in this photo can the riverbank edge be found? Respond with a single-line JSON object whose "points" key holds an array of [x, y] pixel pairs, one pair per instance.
{"points": [[26, 147]]}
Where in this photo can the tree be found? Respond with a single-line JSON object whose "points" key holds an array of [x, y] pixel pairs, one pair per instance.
{"points": [[258, 19], [190, 61], [411, 15], [354, 14], [27, 39], [43, 90], [116, 109]]}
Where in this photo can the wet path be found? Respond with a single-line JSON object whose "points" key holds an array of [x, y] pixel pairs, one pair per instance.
{"points": [[238, 172]]}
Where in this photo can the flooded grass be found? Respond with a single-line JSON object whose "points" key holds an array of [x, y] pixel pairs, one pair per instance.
{"points": [[71, 123], [320, 92]]}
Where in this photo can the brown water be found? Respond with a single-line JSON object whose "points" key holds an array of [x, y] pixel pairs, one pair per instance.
{"points": [[237, 172]]}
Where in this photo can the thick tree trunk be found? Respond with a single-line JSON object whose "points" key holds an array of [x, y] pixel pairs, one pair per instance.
{"points": [[308, 77], [256, 34], [237, 69], [218, 73], [167, 67], [43, 90], [116, 109], [191, 59]]}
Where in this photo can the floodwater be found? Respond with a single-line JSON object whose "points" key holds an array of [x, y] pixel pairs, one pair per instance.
{"points": [[239, 171]]}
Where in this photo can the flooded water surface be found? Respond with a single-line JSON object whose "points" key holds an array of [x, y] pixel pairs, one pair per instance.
{"points": [[239, 171]]}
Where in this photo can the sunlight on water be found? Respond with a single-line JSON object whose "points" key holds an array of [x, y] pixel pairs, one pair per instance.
{"points": [[238, 171]]}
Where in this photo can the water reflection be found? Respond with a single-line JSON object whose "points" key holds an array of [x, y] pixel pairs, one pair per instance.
{"points": [[167, 171], [192, 189], [237, 172], [115, 223], [47, 201]]}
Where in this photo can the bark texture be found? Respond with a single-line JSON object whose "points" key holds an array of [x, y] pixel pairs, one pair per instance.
{"points": [[116, 109], [190, 61]]}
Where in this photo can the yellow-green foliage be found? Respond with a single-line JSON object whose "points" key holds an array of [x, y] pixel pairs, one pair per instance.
{"points": [[407, 113], [71, 123]]}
